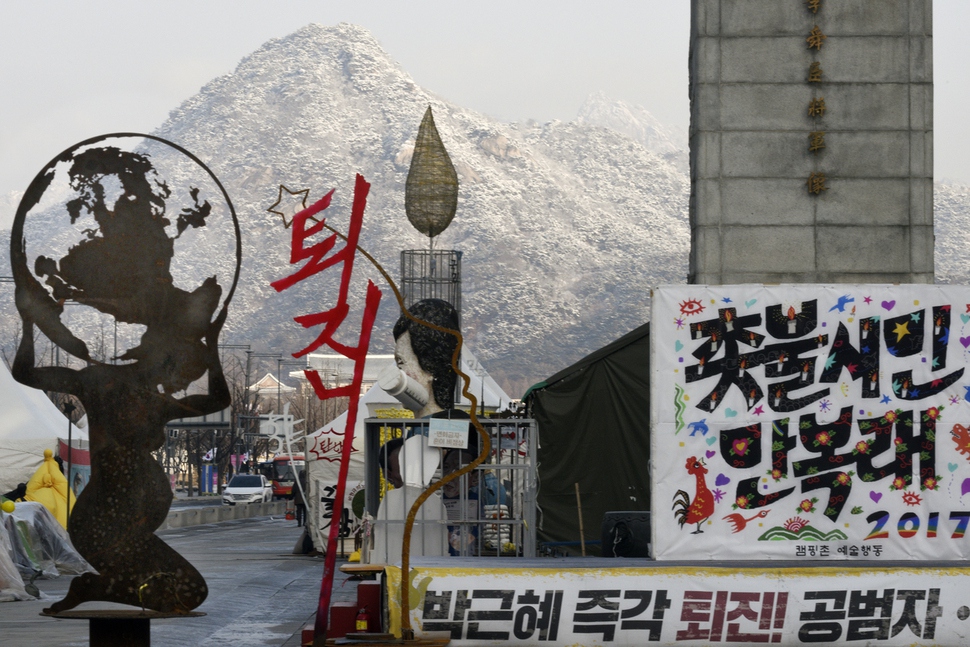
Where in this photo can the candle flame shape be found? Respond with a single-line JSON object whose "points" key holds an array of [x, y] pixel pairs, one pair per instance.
{"points": [[431, 190]]}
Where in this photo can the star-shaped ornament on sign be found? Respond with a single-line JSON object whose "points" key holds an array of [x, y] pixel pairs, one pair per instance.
{"points": [[287, 211]]}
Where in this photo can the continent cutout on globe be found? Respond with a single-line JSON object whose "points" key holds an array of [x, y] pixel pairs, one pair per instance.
{"points": [[107, 236]]}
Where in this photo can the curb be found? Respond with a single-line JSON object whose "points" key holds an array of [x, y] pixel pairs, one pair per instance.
{"points": [[199, 516]]}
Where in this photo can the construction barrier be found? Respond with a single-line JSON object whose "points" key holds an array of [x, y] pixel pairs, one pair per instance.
{"points": [[185, 517]]}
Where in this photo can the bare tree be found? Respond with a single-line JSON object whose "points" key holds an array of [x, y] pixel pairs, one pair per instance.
{"points": [[315, 413], [10, 335]]}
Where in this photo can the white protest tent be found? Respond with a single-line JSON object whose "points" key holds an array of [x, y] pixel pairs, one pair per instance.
{"points": [[29, 425]]}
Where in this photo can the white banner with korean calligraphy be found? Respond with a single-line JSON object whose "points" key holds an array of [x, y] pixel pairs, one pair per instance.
{"points": [[811, 421], [324, 453], [664, 605]]}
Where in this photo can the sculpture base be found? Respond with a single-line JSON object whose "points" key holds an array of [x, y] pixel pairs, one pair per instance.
{"points": [[119, 627]]}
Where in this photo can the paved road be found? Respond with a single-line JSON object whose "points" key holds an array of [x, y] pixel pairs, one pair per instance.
{"points": [[259, 592]]}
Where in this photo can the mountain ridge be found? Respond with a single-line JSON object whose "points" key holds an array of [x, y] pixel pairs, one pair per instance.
{"points": [[564, 226], [553, 220]]}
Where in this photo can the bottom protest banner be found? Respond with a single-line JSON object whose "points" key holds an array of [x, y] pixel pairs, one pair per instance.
{"points": [[559, 604]]}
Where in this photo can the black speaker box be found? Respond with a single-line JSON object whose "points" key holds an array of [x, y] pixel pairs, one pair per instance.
{"points": [[626, 534]]}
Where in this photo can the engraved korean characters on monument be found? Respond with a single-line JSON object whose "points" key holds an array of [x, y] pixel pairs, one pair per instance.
{"points": [[811, 421], [811, 139], [130, 236]]}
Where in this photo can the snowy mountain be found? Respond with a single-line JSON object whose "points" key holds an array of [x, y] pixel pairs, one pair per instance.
{"points": [[951, 219], [564, 227], [8, 208], [637, 124]]}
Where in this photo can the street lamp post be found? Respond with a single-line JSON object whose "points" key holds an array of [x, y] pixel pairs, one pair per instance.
{"points": [[249, 358], [68, 409], [280, 363]]}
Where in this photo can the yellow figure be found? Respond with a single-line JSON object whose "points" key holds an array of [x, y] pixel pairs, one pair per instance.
{"points": [[49, 488]]}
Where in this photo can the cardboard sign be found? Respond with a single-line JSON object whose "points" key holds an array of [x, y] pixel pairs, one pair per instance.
{"points": [[811, 422], [451, 434]]}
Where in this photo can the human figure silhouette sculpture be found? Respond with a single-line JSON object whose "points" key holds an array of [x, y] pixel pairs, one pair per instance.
{"points": [[123, 269]]}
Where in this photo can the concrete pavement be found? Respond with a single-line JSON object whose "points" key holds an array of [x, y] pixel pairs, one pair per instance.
{"points": [[259, 592]]}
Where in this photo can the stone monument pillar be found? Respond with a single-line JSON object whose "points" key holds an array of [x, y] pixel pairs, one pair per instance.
{"points": [[811, 141]]}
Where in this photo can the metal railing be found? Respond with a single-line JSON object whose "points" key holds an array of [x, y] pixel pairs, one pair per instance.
{"points": [[489, 512]]}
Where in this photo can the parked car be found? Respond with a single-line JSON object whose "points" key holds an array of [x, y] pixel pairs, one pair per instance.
{"points": [[247, 488]]}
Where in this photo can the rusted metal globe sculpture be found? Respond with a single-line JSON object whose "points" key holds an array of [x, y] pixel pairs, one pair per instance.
{"points": [[136, 232]]}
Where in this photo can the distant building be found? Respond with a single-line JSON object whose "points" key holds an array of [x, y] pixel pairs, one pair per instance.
{"points": [[268, 387], [337, 370]]}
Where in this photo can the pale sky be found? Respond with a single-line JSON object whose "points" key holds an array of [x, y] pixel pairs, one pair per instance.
{"points": [[70, 70]]}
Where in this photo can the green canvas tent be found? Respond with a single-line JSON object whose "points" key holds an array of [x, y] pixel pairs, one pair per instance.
{"points": [[594, 429]]}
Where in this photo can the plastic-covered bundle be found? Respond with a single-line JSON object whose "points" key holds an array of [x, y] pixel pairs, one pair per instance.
{"points": [[11, 584], [39, 543]]}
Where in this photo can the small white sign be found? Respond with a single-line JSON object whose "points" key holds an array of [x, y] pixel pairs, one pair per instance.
{"points": [[452, 434]]}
